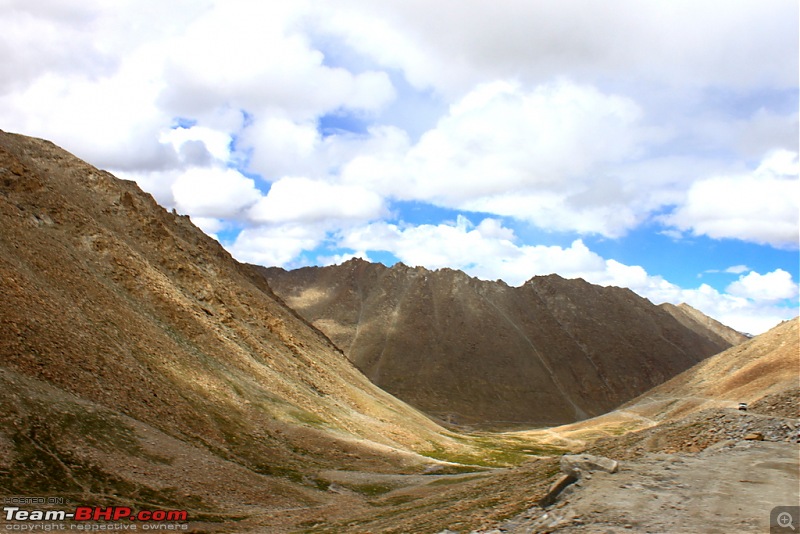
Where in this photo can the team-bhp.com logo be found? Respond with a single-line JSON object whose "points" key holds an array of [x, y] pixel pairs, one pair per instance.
{"points": [[96, 513]]}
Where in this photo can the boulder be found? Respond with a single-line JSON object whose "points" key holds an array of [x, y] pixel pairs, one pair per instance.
{"points": [[575, 464]]}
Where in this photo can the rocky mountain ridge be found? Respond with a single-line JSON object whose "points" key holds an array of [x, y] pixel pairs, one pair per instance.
{"points": [[477, 352]]}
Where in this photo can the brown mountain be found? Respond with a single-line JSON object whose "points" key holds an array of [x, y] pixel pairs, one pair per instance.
{"points": [[141, 365], [479, 352]]}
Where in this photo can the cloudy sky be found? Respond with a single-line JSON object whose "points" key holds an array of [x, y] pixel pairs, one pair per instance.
{"points": [[651, 145]]}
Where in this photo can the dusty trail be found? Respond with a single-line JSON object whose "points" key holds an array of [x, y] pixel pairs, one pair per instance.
{"points": [[726, 488]]}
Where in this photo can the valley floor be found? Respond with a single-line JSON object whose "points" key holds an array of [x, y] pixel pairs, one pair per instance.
{"points": [[695, 475]]}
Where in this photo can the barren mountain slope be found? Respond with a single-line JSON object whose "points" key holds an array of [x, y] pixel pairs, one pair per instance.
{"points": [[763, 371], [704, 325], [477, 352], [767, 366], [140, 360]]}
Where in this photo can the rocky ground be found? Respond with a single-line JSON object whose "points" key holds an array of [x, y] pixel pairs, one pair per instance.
{"points": [[717, 471], [730, 487], [784, 403]]}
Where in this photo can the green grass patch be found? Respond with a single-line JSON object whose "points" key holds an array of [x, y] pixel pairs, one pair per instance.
{"points": [[493, 451]]}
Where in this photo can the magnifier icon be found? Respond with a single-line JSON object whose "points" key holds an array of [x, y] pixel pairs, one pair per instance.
{"points": [[785, 520]]}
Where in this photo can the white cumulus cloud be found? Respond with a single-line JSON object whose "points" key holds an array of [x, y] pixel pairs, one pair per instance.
{"points": [[302, 199], [216, 193], [760, 207], [776, 285], [545, 155], [279, 244]]}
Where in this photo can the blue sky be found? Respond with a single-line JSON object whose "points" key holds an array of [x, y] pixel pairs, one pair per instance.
{"points": [[649, 145]]}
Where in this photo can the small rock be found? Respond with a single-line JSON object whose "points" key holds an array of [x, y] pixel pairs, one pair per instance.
{"points": [[754, 436]]}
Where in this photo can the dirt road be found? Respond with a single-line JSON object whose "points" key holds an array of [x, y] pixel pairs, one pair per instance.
{"points": [[730, 487]]}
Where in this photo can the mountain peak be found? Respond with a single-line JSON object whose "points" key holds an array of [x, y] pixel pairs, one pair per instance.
{"points": [[480, 352]]}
